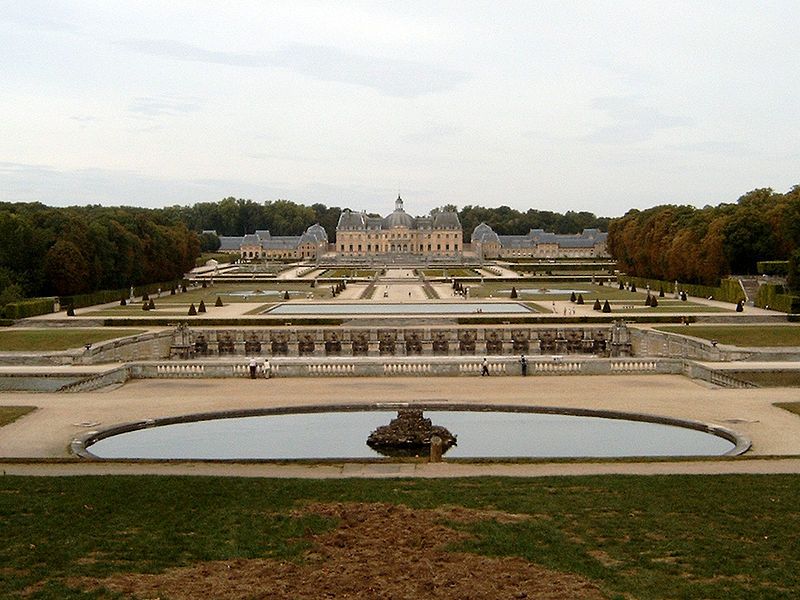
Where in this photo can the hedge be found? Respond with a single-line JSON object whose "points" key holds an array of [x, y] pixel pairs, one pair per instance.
{"points": [[773, 296], [28, 308], [107, 296], [773, 267], [729, 290]]}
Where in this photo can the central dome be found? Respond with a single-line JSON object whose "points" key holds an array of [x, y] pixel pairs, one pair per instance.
{"points": [[399, 218]]}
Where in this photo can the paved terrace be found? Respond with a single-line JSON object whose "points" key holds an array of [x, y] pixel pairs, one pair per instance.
{"points": [[46, 433]]}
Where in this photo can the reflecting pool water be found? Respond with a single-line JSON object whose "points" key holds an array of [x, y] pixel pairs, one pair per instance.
{"points": [[327, 435], [375, 308]]}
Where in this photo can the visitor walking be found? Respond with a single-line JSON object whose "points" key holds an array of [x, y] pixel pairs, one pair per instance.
{"points": [[484, 367], [266, 369], [253, 368], [523, 365]]}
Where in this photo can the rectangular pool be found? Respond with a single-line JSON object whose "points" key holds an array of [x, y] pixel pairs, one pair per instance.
{"points": [[377, 308]]}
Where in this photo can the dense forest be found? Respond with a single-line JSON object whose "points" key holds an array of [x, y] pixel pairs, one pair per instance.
{"points": [[62, 251], [702, 245]]}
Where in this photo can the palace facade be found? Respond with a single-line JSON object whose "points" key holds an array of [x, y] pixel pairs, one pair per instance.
{"points": [[437, 235]]}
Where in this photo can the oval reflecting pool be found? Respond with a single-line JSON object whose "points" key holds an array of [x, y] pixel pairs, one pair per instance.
{"points": [[343, 434]]}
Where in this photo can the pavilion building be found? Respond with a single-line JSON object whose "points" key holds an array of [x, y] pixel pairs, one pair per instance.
{"points": [[538, 243]]}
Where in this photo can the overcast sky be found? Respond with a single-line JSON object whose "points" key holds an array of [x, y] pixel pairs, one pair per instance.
{"points": [[598, 106]]}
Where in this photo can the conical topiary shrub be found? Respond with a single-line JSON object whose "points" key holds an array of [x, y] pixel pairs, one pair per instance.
{"points": [[192, 310], [596, 305], [621, 285], [183, 289], [580, 299], [151, 305], [205, 285], [286, 295], [600, 283], [573, 297], [202, 307], [633, 287], [654, 302], [145, 306], [661, 292], [145, 297], [648, 301], [606, 307], [218, 302], [123, 302], [70, 311], [513, 292], [172, 292], [739, 306]]}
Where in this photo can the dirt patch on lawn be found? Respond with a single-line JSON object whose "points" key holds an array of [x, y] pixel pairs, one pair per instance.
{"points": [[378, 551]]}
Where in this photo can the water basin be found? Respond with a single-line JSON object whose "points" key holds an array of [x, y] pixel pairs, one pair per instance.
{"points": [[383, 308], [488, 433]]}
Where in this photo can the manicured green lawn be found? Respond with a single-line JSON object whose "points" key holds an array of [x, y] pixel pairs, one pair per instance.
{"points": [[793, 407], [21, 340], [449, 273], [178, 305], [349, 273], [636, 537], [742, 335], [9, 414], [769, 379]]}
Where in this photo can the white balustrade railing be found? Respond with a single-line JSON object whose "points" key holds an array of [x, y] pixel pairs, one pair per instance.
{"points": [[639, 366]]}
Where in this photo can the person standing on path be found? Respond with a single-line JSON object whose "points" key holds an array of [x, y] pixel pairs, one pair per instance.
{"points": [[484, 367], [253, 367]]}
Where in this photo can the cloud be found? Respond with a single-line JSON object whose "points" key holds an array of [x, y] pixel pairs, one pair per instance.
{"points": [[153, 106], [632, 121], [55, 187], [400, 78], [432, 133], [50, 18]]}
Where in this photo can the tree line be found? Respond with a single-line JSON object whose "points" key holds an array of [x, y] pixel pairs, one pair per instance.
{"points": [[233, 216], [703, 245], [48, 251]]}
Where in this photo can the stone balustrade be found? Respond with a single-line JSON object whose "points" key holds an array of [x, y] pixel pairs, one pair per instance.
{"points": [[403, 366]]}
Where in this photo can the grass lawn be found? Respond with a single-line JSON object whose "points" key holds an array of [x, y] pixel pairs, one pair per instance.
{"points": [[633, 537], [450, 273], [772, 379], [9, 414], [742, 335], [178, 305], [793, 407], [349, 273], [32, 340]]}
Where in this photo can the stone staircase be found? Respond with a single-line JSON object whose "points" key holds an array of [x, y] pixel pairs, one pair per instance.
{"points": [[750, 287]]}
